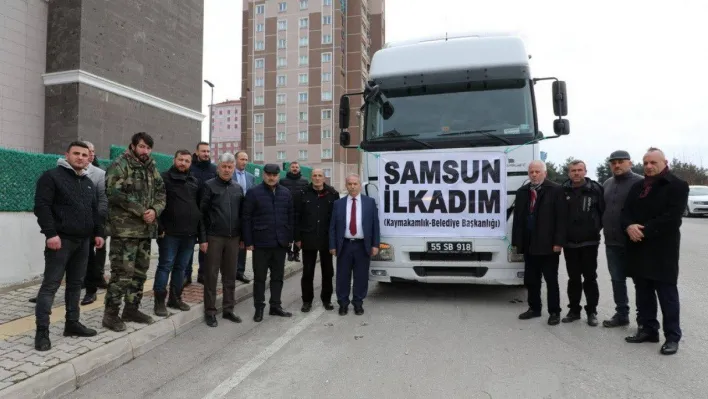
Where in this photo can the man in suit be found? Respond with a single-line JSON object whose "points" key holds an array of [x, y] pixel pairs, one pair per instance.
{"points": [[353, 239], [246, 180]]}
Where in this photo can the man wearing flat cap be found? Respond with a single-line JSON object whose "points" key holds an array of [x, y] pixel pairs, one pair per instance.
{"points": [[616, 189], [268, 219]]}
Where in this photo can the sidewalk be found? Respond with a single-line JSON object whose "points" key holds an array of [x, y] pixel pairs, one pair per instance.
{"points": [[72, 362]]}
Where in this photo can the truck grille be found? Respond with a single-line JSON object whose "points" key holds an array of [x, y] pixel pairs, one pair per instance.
{"points": [[434, 271]]}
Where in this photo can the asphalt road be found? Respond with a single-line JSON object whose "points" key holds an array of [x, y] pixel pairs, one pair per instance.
{"points": [[428, 342]]}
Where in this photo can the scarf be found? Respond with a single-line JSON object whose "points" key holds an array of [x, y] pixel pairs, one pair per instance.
{"points": [[649, 182]]}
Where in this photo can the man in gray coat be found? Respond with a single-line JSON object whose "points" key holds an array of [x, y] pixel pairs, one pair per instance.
{"points": [[616, 189], [94, 278]]}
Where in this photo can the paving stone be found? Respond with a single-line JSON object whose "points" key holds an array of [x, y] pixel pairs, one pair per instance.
{"points": [[80, 350], [63, 356], [51, 362], [15, 355], [8, 364], [37, 359], [5, 374], [65, 347], [91, 345], [17, 378], [30, 369], [4, 385]]}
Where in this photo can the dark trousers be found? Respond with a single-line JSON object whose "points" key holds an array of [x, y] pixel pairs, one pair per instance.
{"points": [[95, 268], [353, 260], [241, 264], [222, 253], [309, 263], [536, 267], [71, 259], [265, 259], [201, 258], [647, 292], [617, 266], [175, 252], [581, 264]]}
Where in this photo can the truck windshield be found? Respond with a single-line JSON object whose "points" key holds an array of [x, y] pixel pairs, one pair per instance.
{"points": [[452, 116]]}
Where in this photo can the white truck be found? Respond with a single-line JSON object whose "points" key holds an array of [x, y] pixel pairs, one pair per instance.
{"points": [[449, 126]]}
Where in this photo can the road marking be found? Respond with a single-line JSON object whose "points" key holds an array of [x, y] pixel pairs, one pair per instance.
{"points": [[241, 374]]}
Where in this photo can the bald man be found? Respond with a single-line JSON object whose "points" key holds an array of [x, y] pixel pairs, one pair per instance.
{"points": [[652, 217], [539, 233]]}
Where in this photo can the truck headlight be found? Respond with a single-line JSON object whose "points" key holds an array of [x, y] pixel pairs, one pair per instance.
{"points": [[385, 253], [513, 256]]}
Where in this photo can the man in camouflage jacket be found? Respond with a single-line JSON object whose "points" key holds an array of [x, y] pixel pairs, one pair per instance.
{"points": [[136, 197]]}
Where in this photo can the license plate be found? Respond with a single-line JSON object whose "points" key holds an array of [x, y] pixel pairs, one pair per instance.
{"points": [[449, 247]]}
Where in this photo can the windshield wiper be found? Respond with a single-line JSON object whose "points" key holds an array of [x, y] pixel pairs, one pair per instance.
{"points": [[484, 132], [395, 134]]}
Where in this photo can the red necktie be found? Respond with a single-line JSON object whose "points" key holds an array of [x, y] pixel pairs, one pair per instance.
{"points": [[352, 218], [533, 200]]}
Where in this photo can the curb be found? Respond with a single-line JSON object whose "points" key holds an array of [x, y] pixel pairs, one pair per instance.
{"points": [[79, 371]]}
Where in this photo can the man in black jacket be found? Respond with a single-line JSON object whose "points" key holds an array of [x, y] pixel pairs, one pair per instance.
{"points": [[203, 169], [66, 206], [268, 219], [222, 207], [585, 201], [652, 217], [180, 228], [294, 182], [539, 234], [313, 211]]}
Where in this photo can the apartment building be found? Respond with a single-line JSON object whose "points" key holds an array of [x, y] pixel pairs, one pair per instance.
{"points": [[299, 57], [226, 128]]}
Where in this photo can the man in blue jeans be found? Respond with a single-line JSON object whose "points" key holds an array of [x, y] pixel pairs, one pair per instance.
{"points": [[180, 227], [616, 189]]}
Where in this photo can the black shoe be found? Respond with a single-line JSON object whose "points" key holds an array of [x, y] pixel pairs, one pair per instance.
{"points": [[642, 336], [592, 319], [554, 319], [41, 339], [231, 316], [278, 311], [258, 317], [88, 299], [187, 281], [359, 310], [76, 329], [290, 257], [200, 279], [306, 307], [529, 314], [669, 348], [33, 300], [328, 306], [211, 320], [616, 321], [243, 279], [343, 310], [571, 317]]}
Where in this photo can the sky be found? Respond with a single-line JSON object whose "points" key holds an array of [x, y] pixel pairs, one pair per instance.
{"points": [[635, 74]]}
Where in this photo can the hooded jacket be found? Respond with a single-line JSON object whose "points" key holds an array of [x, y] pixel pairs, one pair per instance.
{"points": [[294, 182]]}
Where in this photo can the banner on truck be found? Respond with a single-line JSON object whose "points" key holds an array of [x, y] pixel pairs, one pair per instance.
{"points": [[442, 194]]}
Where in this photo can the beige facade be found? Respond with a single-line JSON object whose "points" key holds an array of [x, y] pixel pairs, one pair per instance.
{"points": [[299, 57]]}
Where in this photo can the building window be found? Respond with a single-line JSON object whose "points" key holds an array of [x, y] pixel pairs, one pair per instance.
{"points": [[259, 82], [260, 27], [258, 118], [304, 23], [282, 7], [282, 62], [302, 97], [282, 43], [228, 127], [304, 41], [326, 57], [327, 20], [326, 114], [326, 153], [326, 39], [304, 60], [302, 79], [282, 81], [326, 2], [303, 4], [326, 134], [303, 116], [326, 96], [280, 137], [260, 9], [258, 137], [281, 155], [282, 118], [280, 98], [259, 100], [327, 172], [283, 25], [302, 155], [302, 136], [260, 46], [326, 77], [258, 156], [260, 63]]}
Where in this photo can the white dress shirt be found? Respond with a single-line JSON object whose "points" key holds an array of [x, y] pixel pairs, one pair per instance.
{"points": [[359, 228]]}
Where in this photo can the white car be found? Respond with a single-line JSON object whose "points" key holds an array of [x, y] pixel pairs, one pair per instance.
{"points": [[697, 201]]}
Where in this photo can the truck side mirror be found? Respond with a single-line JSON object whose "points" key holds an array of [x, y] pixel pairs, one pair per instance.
{"points": [[560, 98], [561, 127], [344, 112]]}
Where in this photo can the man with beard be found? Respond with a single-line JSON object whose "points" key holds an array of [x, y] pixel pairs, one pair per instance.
{"points": [[203, 169], [652, 217], [180, 228], [294, 182], [136, 198]]}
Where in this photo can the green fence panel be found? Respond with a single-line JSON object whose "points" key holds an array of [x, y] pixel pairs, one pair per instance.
{"points": [[19, 172]]}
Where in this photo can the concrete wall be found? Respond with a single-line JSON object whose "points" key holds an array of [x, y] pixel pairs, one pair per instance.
{"points": [[23, 41]]}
